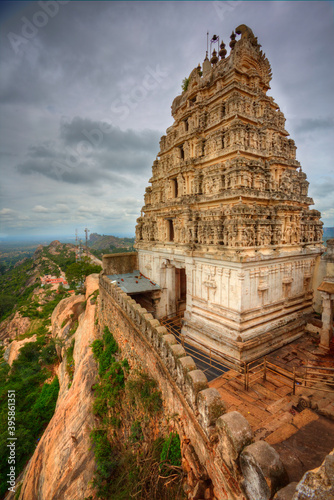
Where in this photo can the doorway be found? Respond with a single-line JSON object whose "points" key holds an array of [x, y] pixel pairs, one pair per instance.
{"points": [[180, 290]]}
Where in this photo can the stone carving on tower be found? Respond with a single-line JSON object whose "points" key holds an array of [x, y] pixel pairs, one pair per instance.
{"points": [[227, 190]]}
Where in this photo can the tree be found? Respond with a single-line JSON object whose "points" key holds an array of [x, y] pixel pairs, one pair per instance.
{"points": [[78, 271]]}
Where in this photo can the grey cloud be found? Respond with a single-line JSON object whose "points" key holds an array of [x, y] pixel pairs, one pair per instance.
{"points": [[40, 209], [62, 208], [89, 152], [60, 171], [45, 150], [92, 55], [313, 124], [323, 189], [104, 135]]}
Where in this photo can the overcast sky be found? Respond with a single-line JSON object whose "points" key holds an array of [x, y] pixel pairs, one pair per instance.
{"points": [[86, 90]]}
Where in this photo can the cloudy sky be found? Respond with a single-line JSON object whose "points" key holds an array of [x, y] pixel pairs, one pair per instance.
{"points": [[86, 90]]}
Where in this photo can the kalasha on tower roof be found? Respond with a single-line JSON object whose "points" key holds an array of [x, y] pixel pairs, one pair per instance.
{"points": [[226, 174], [226, 230]]}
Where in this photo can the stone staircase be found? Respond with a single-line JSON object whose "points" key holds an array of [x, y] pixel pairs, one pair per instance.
{"points": [[293, 425]]}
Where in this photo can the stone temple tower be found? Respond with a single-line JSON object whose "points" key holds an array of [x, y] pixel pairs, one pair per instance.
{"points": [[226, 229]]}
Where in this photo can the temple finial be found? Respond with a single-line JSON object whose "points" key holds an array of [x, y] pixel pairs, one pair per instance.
{"points": [[222, 51], [233, 40]]}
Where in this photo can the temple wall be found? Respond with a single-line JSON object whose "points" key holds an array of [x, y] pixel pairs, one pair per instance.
{"points": [[242, 309], [215, 440], [120, 263], [324, 267]]}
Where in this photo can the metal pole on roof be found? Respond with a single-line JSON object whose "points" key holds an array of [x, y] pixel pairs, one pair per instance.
{"points": [[86, 233]]}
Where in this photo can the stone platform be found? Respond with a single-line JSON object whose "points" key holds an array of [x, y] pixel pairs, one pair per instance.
{"points": [[302, 436]]}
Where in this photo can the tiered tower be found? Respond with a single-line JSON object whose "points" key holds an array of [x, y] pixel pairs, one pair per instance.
{"points": [[226, 229]]}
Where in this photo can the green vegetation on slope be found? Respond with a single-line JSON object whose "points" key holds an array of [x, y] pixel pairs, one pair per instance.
{"points": [[98, 242], [18, 283], [64, 257], [14, 289], [78, 271], [35, 402], [11, 254], [131, 461]]}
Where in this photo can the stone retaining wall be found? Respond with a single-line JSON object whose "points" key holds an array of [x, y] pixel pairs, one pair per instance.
{"points": [[219, 443], [120, 263]]}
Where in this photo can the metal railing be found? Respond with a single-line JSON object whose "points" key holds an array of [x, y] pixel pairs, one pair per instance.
{"points": [[313, 377], [319, 378], [202, 353]]}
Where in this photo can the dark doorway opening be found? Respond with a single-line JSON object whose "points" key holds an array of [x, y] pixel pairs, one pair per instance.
{"points": [[180, 290], [170, 230]]}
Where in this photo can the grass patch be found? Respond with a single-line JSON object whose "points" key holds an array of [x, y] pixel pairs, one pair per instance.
{"points": [[128, 460], [171, 450], [70, 364], [143, 390], [35, 402]]}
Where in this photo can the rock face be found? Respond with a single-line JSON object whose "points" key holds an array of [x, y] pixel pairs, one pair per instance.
{"points": [[63, 464], [13, 349], [12, 328], [317, 484]]}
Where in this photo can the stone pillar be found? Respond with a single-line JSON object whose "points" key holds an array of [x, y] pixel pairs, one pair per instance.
{"points": [[327, 319], [170, 285]]}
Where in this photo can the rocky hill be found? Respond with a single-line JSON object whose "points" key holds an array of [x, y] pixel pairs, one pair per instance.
{"points": [[63, 463], [106, 242], [21, 291]]}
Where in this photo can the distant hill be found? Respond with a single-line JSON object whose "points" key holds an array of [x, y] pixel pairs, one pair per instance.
{"points": [[106, 242], [19, 281]]}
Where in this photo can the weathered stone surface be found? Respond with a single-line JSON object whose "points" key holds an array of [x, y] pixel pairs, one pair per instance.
{"points": [[186, 364], [317, 484], [196, 381], [287, 492], [178, 351], [210, 406], [120, 263], [226, 229], [13, 328], [263, 471], [13, 350], [234, 434], [63, 463]]}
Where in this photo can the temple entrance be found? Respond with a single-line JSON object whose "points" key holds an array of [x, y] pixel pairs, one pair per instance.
{"points": [[173, 281], [180, 290]]}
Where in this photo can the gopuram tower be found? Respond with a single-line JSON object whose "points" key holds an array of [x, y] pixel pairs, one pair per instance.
{"points": [[226, 230]]}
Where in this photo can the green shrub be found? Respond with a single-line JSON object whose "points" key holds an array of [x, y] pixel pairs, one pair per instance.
{"points": [[105, 462], [144, 388], [70, 364], [44, 407], [185, 83], [171, 450], [35, 403], [49, 353], [97, 348], [74, 328], [106, 357], [136, 432]]}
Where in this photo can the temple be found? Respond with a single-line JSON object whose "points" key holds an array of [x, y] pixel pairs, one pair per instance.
{"points": [[226, 231]]}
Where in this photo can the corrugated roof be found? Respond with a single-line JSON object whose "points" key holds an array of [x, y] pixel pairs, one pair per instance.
{"points": [[134, 282]]}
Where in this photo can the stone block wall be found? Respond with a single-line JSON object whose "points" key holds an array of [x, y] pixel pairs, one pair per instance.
{"points": [[213, 439], [120, 263]]}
